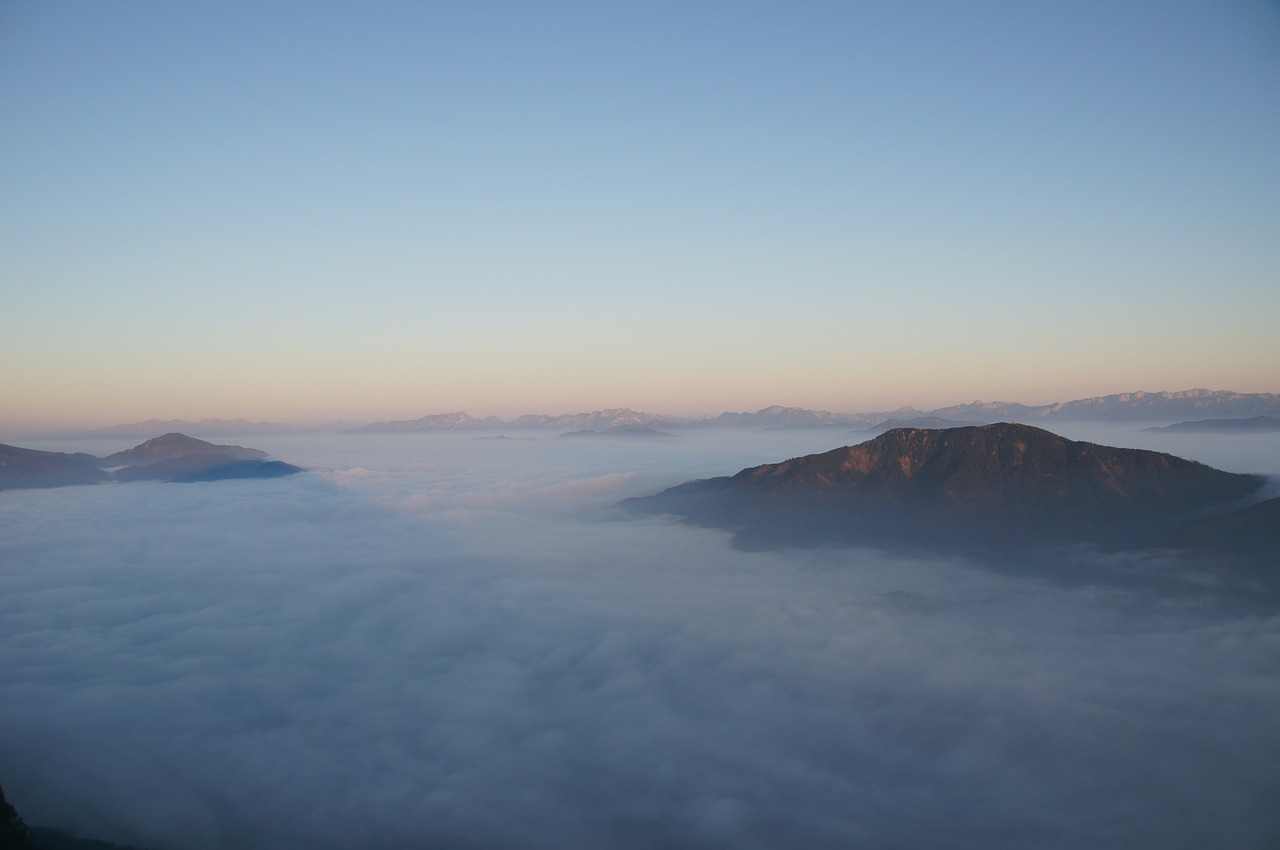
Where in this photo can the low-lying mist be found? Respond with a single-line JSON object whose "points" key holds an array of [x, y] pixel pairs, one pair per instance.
{"points": [[437, 641]]}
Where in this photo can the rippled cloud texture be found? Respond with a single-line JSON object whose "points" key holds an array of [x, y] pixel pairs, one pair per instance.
{"points": [[440, 642]]}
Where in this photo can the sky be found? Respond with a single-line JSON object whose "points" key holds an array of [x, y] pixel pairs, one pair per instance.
{"points": [[445, 642], [314, 211]]}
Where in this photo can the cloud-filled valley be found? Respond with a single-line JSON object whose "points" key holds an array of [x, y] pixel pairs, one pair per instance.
{"points": [[431, 641]]}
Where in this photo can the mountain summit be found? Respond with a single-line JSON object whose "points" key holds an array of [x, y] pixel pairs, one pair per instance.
{"points": [[175, 445], [992, 487], [177, 457]]}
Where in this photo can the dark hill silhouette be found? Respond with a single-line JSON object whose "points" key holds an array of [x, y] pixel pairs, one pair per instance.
{"points": [[28, 468], [1251, 531], [16, 835], [177, 457], [992, 488], [13, 832], [172, 457], [240, 469], [176, 445], [205, 467]]}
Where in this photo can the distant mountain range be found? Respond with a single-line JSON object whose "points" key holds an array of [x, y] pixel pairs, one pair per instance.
{"points": [[172, 457], [1157, 408], [1138, 407], [436, 422], [994, 488], [596, 420], [623, 432], [1125, 407], [777, 416]]}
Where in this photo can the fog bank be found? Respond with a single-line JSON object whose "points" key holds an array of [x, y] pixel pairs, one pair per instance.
{"points": [[440, 642]]}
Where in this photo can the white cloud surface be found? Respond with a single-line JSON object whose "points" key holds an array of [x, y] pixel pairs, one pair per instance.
{"points": [[433, 642]]}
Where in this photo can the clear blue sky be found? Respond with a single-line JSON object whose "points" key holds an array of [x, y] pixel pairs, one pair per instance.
{"points": [[300, 211]]}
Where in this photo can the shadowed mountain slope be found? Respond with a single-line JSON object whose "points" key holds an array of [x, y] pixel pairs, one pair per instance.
{"points": [[622, 432], [1252, 531], [988, 488], [27, 468], [205, 467], [177, 457]]}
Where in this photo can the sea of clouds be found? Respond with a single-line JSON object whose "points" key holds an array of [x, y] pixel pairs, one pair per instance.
{"points": [[441, 641]]}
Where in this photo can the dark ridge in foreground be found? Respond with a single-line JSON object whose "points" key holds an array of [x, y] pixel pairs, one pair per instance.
{"points": [[55, 839], [13, 831], [987, 489], [16, 835]]}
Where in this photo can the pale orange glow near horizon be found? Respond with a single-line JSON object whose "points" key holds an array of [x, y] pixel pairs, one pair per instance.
{"points": [[98, 406]]}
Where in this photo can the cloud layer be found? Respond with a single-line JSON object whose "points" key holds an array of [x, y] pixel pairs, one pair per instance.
{"points": [[436, 642]]}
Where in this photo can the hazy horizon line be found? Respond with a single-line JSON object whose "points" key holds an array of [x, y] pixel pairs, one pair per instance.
{"points": [[317, 422]]}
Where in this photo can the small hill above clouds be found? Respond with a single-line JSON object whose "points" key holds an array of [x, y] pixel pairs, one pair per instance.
{"points": [[171, 446], [1251, 425], [177, 457], [172, 457], [1001, 487]]}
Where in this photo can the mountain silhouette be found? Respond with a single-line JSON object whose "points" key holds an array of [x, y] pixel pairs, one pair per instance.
{"points": [[991, 488], [171, 457], [170, 446], [30, 468], [1252, 531]]}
